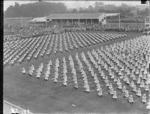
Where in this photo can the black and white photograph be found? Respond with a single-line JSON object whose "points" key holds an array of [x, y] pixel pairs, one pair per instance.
{"points": [[76, 57]]}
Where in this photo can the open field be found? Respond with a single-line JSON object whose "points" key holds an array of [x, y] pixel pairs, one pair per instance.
{"points": [[17, 20], [42, 96]]}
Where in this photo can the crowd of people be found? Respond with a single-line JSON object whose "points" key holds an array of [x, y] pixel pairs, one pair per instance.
{"points": [[123, 27], [18, 51], [119, 67], [129, 19], [33, 30]]}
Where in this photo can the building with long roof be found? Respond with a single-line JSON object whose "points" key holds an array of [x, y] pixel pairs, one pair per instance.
{"points": [[79, 17]]}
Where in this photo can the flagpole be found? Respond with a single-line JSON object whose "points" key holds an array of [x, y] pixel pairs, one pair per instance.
{"points": [[45, 15], [149, 6], [78, 16], [144, 24], [119, 20], [105, 18], [21, 20], [104, 12]]}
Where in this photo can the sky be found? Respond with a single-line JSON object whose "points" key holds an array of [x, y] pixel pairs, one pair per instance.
{"points": [[73, 4]]}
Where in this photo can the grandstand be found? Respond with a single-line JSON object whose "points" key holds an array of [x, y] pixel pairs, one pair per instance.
{"points": [[94, 21], [92, 18]]}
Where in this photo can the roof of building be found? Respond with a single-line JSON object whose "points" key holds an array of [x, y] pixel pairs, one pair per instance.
{"points": [[79, 15], [75, 16], [111, 14]]}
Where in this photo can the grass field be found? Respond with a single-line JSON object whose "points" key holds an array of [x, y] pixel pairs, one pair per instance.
{"points": [[40, 96]]}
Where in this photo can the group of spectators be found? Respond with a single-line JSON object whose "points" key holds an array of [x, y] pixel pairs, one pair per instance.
{"points": [[31, 30], [126, 27], [136, 19]]}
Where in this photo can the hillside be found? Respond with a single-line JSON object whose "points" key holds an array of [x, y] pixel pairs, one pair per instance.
{"points": [[37, 9]]}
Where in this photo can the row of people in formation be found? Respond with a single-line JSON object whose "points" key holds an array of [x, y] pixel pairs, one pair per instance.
{"points": [[64, 72], [134, 87], [125, 91], [119, 48], [122, 67], [76, 36], [32, 49], [144, 77], [74, 74], [65, 44], [10, 54], [100, 92], [48, 68], [69, 42], [126, 79], [55, 46], [73, 40], [110, 87], [26, 52], [30, 56], [45, 46], [39, 70], [26, 46], [60, 45], [32, 68], [84, 76], [56, 74], [96, 81], [46, 42]]}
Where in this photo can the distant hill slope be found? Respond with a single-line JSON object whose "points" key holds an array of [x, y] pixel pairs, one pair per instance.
{"points": [[37, 9], [40, 9]]}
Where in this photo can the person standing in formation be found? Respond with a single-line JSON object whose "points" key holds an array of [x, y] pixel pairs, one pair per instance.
{"points": [[148, 79]]}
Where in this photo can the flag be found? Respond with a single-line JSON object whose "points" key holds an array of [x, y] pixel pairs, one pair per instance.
{"points": [[103, 21]]}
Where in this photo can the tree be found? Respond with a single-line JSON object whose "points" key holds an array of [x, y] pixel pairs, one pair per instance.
{"points": [[74, 10], [98, 5]]}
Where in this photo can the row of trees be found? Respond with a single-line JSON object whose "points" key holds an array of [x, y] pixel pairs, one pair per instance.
{"points": [[123, 9], [40, 9], [37, 9]]}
